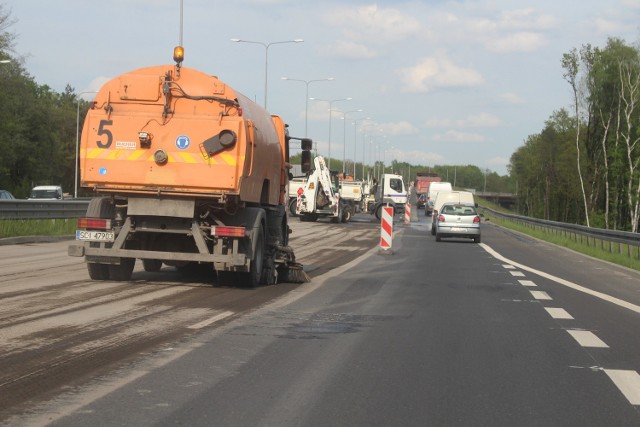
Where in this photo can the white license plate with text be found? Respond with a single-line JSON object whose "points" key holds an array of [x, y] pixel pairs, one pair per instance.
{"points": [[95, 236]]}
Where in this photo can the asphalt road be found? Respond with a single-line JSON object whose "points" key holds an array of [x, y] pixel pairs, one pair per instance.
{"points": [[509, 332]]}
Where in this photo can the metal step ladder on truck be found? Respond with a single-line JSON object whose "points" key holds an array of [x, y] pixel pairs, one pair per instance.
{"points": [[319, 197], [186, 171], [391, 191]]}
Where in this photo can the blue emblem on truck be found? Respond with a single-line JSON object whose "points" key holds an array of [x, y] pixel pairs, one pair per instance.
{"points": [[183, 142]]}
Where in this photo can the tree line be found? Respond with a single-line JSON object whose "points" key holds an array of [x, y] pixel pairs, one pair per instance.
{"points": [[37, 125], [583, 167]]}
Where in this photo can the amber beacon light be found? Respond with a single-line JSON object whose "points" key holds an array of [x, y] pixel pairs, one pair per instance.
{"points": [[178, 54]]}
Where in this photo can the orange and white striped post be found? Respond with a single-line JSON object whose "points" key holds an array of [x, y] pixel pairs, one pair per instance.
{"points": [[407, 213], [386, 228]]}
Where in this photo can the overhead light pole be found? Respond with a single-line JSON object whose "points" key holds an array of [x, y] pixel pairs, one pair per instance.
{"points": [[355, 126], [75, 180], [330, 101], [306, 99], [266, 58], [5, 61], [344, 138]]}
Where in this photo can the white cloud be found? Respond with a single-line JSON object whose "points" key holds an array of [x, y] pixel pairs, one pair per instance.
{"points": [[473, 120], [399, 128], [348, 50], [437, 71], [511, 98], [417, 157], [456, 136], [372, 24], [516, 42]]}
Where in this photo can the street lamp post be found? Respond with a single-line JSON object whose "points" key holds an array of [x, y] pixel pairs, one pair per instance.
{"points": [[344, 139], [75, 180], [5, 61], [306, 99], [355, 126], [330, 101], [266, 58]]}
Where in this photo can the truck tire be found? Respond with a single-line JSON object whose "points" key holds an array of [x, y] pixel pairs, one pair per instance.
{"points": [[99, 207], [347, 213], [378, 212], [122, 272], [292, 207], [98, 271], [254, 277], [152, 264]]}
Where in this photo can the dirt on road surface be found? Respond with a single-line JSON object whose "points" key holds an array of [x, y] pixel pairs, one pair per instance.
{"points": [[60, 330]]}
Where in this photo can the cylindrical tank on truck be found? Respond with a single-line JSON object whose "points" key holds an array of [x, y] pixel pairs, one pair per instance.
{"points": [[186, 170]]}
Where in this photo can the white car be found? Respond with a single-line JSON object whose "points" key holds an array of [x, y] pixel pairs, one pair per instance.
{"points": [[458, 220], [46, 192]]}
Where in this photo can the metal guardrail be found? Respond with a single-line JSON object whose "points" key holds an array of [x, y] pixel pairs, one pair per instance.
{"points": [[597, 237], [43, 209]]}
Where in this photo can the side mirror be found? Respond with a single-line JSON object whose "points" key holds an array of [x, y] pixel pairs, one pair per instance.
{"points": [[306, 161], [306, 144]]}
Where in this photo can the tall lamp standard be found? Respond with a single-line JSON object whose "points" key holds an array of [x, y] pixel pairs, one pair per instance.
{"points": [[306, 98], [75, 180], [266, 59], [5, 61], [330, 101], [355, 126], [344, 138]]}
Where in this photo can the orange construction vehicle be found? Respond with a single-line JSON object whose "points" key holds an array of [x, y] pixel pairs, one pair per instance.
{"points": [[186, 171]]}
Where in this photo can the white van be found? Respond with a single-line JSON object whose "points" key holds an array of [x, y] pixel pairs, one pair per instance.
{"points": [[46, 192], [448, 196], [434, 188]]}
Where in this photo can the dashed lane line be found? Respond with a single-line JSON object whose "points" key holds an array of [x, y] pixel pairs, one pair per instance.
{"points": [[527, 283], [628, 382], [541, 295], [558, 313], [587, 339], [605, 297]]}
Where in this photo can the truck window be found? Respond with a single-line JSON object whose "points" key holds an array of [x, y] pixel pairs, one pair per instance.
{"points": [[396, 184]]}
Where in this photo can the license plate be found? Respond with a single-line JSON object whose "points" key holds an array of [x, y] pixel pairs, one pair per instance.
{"points": [[457, 229], [95, 236]]}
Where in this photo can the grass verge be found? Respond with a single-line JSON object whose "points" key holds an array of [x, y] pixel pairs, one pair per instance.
{"points": [[37, 227], [621, 254]]}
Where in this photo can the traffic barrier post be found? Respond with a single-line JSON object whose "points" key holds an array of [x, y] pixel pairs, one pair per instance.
{"points": [[386, 229]]}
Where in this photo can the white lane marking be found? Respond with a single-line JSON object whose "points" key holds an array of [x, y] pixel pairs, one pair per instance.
{"points": [[528, 283], [587, 339], [517, 273], [211, 320], [628, 382], [508, 266], [602, 296], [541, 295], [558, 313]]}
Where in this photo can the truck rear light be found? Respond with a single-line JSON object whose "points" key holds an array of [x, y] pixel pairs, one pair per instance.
{"points": [[225, 231], [94, 223], [476, 220]]}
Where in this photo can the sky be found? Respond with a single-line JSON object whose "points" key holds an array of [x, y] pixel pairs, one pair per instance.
{"points": [[437, 82]]}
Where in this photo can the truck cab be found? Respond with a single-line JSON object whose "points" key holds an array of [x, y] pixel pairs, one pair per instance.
{"points": [[392, 191]]}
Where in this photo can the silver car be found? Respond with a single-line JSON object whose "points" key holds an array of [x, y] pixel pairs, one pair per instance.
{"points": [[458, 220]]}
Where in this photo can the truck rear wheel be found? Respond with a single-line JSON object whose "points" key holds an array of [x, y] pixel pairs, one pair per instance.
{"points": [[347, 213], [98, 271], [292, 207], [122, 272], [99, 207], [152, 264], [254, 277]]}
